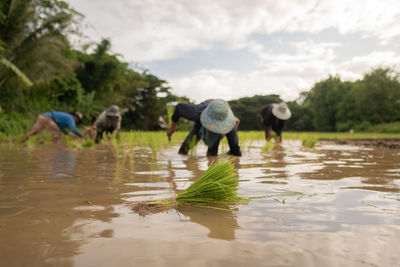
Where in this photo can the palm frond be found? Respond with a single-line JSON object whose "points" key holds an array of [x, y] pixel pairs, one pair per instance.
{"points": [[16, 70]]}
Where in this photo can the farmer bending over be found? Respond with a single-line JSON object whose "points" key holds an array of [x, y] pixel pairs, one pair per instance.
{"points": [[212, 120], [55, 122], [109, 121], [273, 118]]}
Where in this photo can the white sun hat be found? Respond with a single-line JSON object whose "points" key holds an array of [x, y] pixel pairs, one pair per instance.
{"points": [[281, 111]]}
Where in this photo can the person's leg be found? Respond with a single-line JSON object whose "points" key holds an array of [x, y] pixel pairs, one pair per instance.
{"points": [[37, 127], [99, 135], [233, 141], [191, 139], [50, 125], [213, 150]]}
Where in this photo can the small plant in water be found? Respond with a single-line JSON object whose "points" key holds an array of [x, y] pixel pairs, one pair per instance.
{"points": [[88, 143], [309, 142], [215, 188], [268, 146]]}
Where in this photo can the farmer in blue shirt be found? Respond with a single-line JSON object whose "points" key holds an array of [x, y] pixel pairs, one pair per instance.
{"points": [[55, 122], [212, 120]]}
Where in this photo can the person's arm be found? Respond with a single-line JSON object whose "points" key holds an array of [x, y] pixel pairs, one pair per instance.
{"points": [[171, 130], [72, 127], [114, 134]]}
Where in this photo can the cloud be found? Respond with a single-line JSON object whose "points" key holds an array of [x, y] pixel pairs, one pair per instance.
{"points": [[354, 68], [151, 30], [284, 74], [165, 30]]}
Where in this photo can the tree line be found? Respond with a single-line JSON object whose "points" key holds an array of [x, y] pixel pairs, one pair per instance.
{"points": [[41, 71], [333, 105]]}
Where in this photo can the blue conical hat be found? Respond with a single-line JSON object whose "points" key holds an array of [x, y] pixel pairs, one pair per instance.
{"points": [[218, 117]]}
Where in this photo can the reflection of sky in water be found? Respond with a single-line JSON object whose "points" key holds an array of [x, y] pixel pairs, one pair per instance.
{"points": [[60, 165], [331, 203]]}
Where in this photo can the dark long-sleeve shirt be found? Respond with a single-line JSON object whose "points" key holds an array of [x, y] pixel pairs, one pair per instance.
{"points": [[190, 112], [270, 122]]}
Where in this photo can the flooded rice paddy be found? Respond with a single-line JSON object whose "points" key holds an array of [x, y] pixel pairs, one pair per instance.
{"points": [[331, 205]]}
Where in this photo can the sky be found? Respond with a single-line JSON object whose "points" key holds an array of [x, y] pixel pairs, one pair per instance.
{"points": [[236, 48]]}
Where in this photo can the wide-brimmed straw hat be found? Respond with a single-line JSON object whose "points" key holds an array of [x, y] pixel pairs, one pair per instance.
{"points": [[281, 111], [218, 117], [113, 111]]}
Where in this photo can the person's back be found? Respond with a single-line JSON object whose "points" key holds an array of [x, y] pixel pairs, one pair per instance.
{"points": [[55, 122], [273, 118], [212, 120]]}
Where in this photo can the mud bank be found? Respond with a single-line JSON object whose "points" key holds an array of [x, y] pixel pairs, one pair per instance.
{"points": [[378, 142]]}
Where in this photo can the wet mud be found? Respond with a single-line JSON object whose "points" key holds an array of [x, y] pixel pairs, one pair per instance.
{"points": [[332, 205]]}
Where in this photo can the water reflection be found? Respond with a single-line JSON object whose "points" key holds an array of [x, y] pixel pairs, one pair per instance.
{"points": [[221, 223], [35, 211], [333, 189]]}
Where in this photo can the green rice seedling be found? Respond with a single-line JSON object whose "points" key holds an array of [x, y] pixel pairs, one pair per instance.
{"points": [[268, 146], [192, 145], [132, 139], [88, 143], [113, 145], [309, 142], [31, 141], [75, 144], [153, 143], [215, 188], [170, 112]]}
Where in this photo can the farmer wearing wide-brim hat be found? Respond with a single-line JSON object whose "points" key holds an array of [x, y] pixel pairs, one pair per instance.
{"points": [[212, 120], [273, 117]]}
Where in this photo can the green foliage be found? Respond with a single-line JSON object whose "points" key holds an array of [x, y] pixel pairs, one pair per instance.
{"points": [[324, 99], [342, 106], [14, 123], [33, 34], [391, 127], [67, 89], [248, 109]]}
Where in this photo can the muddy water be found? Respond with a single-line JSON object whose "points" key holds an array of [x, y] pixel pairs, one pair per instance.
{"points": [[334, 205]]}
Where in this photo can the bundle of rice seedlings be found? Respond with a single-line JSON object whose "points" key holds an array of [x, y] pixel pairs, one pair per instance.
{"points": [[215, 188]]}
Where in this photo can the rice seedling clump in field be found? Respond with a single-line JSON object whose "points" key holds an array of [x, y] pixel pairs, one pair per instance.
{"points": [[215, 188]]}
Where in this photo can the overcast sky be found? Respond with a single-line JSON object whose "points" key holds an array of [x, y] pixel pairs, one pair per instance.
{"points": [[235, 48]]}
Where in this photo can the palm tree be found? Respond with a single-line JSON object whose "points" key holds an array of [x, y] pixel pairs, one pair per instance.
{"points": [[33, 34]]}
